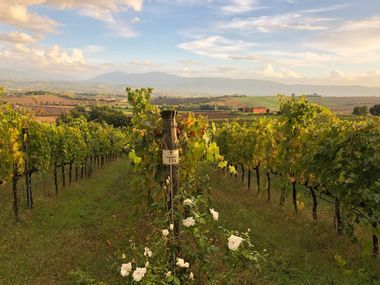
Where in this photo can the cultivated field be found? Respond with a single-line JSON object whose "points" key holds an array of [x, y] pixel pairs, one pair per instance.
{"points": [[47, 108], [341, 105]]}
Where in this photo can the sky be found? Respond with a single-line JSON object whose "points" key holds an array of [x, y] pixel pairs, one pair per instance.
{"points": [[290, 41]]}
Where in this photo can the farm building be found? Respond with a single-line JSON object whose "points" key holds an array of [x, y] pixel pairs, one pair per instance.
{"points": [[260, 110], [255, 110]]}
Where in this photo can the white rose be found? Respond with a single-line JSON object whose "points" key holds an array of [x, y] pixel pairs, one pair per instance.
{"points": [[191, 276], [234, 242], [147, 252], [188, 222], [168, 273], [181, 263], [165, 232], [126, 268], [147, 264], [215, 214], [188, 202], [171, 227], [139, 273]]}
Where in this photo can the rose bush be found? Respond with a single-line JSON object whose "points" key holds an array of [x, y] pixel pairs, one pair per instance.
{"points": [[191, 254]]}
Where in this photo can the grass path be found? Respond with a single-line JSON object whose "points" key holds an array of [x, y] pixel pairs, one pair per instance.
{"points": [[84, 227], [81, 229], [300, 251]]}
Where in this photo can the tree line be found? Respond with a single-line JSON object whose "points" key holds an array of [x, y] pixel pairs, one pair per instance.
{"points": [[363, 110]]}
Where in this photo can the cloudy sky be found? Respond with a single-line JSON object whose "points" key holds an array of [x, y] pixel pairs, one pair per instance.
{"points": [[305, 41]]}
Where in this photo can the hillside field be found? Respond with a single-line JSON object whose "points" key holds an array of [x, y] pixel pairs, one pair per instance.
{"points": [[340, 105], [47, 108]]}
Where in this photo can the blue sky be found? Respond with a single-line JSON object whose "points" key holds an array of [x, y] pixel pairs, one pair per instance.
{"points": [[292, 41]]}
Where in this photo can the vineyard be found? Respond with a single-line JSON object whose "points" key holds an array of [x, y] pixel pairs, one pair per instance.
{"points": [[178, 167], [76, 147], [309, 146]]}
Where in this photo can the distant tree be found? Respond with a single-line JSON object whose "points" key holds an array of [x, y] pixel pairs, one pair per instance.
{"points": [[109, 115], [360, 111], [105, 114], [375, 110], [207, 107], [79, 111]]}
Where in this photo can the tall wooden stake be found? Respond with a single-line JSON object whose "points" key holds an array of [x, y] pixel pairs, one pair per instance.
{"points": [[27, 171], [15, 178], [170, 158]]}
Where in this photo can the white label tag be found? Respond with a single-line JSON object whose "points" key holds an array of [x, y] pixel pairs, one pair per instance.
{"points": [[170, 157]]}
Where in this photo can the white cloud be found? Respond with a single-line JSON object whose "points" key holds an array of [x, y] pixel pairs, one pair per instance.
{"points": [[17, 37], [296, 20], [190, 62], [18, 14], [97, 13], [300, 58], [113, 6], [348, 42], [218, 47], [359, 25], [328, 8], [56, 55], [102, 10], [369, 78], [357, 41], [269, 71], [289, 21], [239, 6], [244, 57], [338, 75], [50, 58], [119, 28]]}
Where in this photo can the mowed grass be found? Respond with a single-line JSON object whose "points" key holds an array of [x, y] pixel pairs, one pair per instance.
{"points": [[340, 105], [260, 101], [80, 230], [84, 228], [300, 250]]}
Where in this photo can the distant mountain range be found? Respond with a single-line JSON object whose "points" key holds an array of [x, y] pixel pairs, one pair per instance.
{"points": [[221, 86], [167, 84]]}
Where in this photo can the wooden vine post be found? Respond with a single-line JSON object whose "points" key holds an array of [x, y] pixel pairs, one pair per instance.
{"points": [[27, 170], [15, 178], [170, 160]]}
